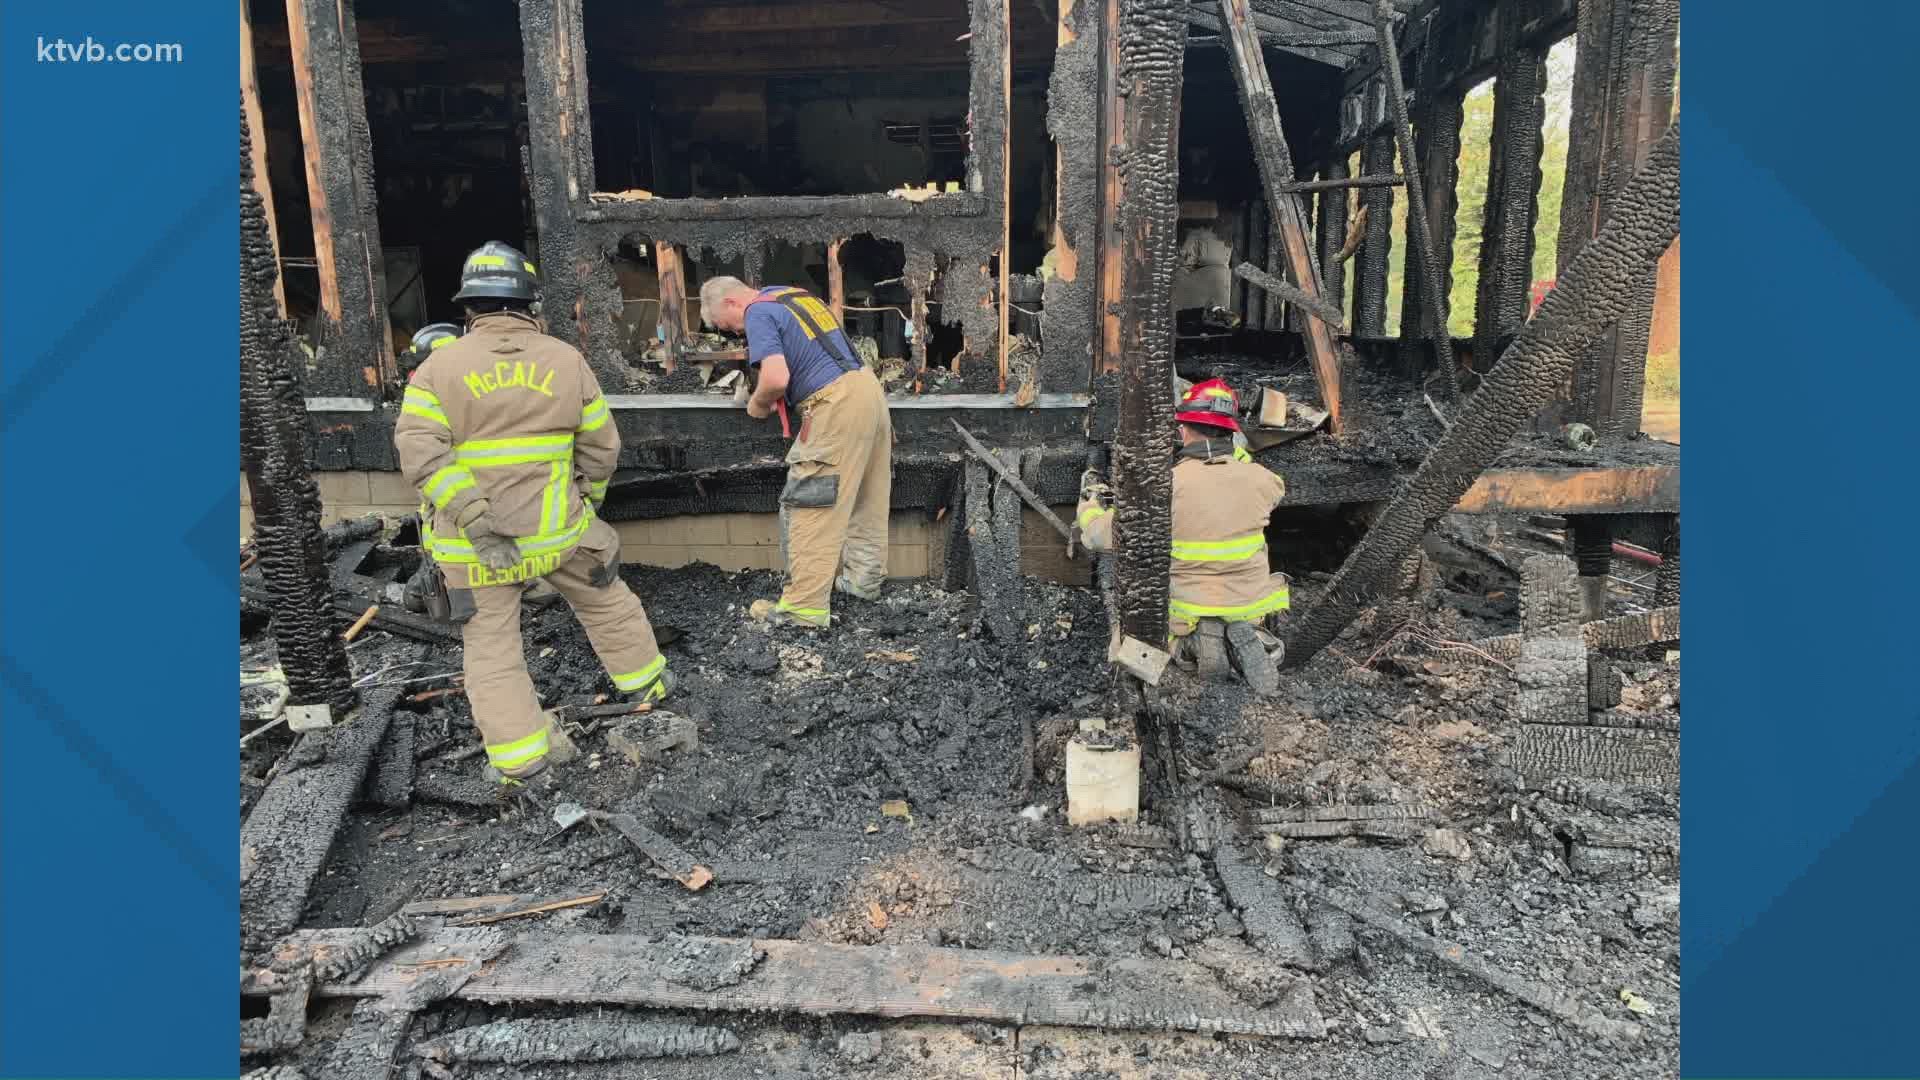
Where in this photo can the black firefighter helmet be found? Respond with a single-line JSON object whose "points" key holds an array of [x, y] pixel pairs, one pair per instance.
{"points": [[497, 271]]}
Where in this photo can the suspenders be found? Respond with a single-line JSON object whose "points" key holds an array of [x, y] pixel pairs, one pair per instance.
{"points": [[794, 300]]}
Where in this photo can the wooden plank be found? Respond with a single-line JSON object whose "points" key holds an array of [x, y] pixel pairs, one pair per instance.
{"points": [[257, 125], [1288, 214], [1657, 627], [673, 300], [817, 979], [1112, 149], [1649, 490], [1006, 190], [836, 281], [317, 204], [286, 837], [761, 18]]}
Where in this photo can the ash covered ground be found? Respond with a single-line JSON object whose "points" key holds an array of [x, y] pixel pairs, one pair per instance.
{"points": [[809, 744]]}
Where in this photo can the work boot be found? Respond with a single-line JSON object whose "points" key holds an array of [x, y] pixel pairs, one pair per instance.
{"points": [[655, 691], [1209, 647], [542, 786], [770, 613], [844, 584], [1249, 654]]}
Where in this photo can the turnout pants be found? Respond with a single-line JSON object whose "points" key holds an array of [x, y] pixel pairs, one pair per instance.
{"points": [[839, 483], [498, 687]]}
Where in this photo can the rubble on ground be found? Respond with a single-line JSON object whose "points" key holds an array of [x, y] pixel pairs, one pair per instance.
{"points": [[859, 790]]}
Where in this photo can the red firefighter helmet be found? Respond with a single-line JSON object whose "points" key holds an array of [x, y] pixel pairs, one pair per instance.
{"points": [[1210, 404]]}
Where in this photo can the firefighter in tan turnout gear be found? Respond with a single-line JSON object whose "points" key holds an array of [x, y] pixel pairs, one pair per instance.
{"points": [[833, 509], [506, 435], [1221, 584]]}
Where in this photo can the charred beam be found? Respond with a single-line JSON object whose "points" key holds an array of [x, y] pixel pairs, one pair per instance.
{"points": [[256, 122], [674, 325], [1376, 246], [274, 455], [1303, 186], [1330, 232], [1645, 220], [1419, 232], [1288, 215], [1437, 148], [355, 347], [1278, 34], [1152, 53], [1069, 320], [1273, 286], [581, 297], [1513, 182], [1622, 93]]}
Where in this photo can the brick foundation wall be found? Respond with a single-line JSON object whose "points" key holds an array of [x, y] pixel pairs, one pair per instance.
{"points": [[916, 548]]}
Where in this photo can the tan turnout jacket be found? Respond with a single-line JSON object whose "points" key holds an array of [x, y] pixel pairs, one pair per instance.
{"points": [[1221, 506], [513, 416]]}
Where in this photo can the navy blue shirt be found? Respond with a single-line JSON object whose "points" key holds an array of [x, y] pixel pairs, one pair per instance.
{"points": [[772, 329]]}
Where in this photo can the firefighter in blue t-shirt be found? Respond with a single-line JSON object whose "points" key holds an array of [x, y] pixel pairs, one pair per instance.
{"points": [[833, 510]]}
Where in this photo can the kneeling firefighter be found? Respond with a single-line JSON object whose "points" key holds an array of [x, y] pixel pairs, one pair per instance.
{"points": [[1221, 584], [506, 435]]}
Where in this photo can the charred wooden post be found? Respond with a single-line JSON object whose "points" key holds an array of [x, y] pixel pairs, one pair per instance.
{"points": [[580, 296], [1420, 235], [250, 102], [1113, 150], [1436, 138], [674, 326], [919, 285], [1330, 232], [1666, 587], [836, 281], [1287, 215], [1513, 182], [1069, 319], [354, 346], [1587, 299], [1622, 94], [1152, 51], [1370, 267], [274, 456], [1592, 536]]}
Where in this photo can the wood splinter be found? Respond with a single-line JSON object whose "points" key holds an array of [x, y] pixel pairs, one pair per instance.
{"points": [[360, 623]]}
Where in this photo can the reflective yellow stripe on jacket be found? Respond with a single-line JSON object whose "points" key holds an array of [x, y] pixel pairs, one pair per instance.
{"points": [[1277, 600], [594, 416], [1228, 550], [423, 403]]}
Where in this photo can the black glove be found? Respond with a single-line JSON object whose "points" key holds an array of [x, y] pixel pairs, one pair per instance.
{"points": [[496, 551]]}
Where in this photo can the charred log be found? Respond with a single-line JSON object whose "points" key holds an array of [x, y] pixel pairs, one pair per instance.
{"points": [[1589, 297]]}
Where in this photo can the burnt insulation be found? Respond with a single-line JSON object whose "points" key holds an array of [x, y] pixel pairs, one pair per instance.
{"points": [[1330, 231], [1152, 52], [1589, 296], [273, 454], [1068, 317], [1513, 182], [1419, 230], [1436, 143], [1370, 265]]}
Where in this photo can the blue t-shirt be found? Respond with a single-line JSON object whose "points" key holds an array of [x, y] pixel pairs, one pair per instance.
{"points": [[771, 329]]}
